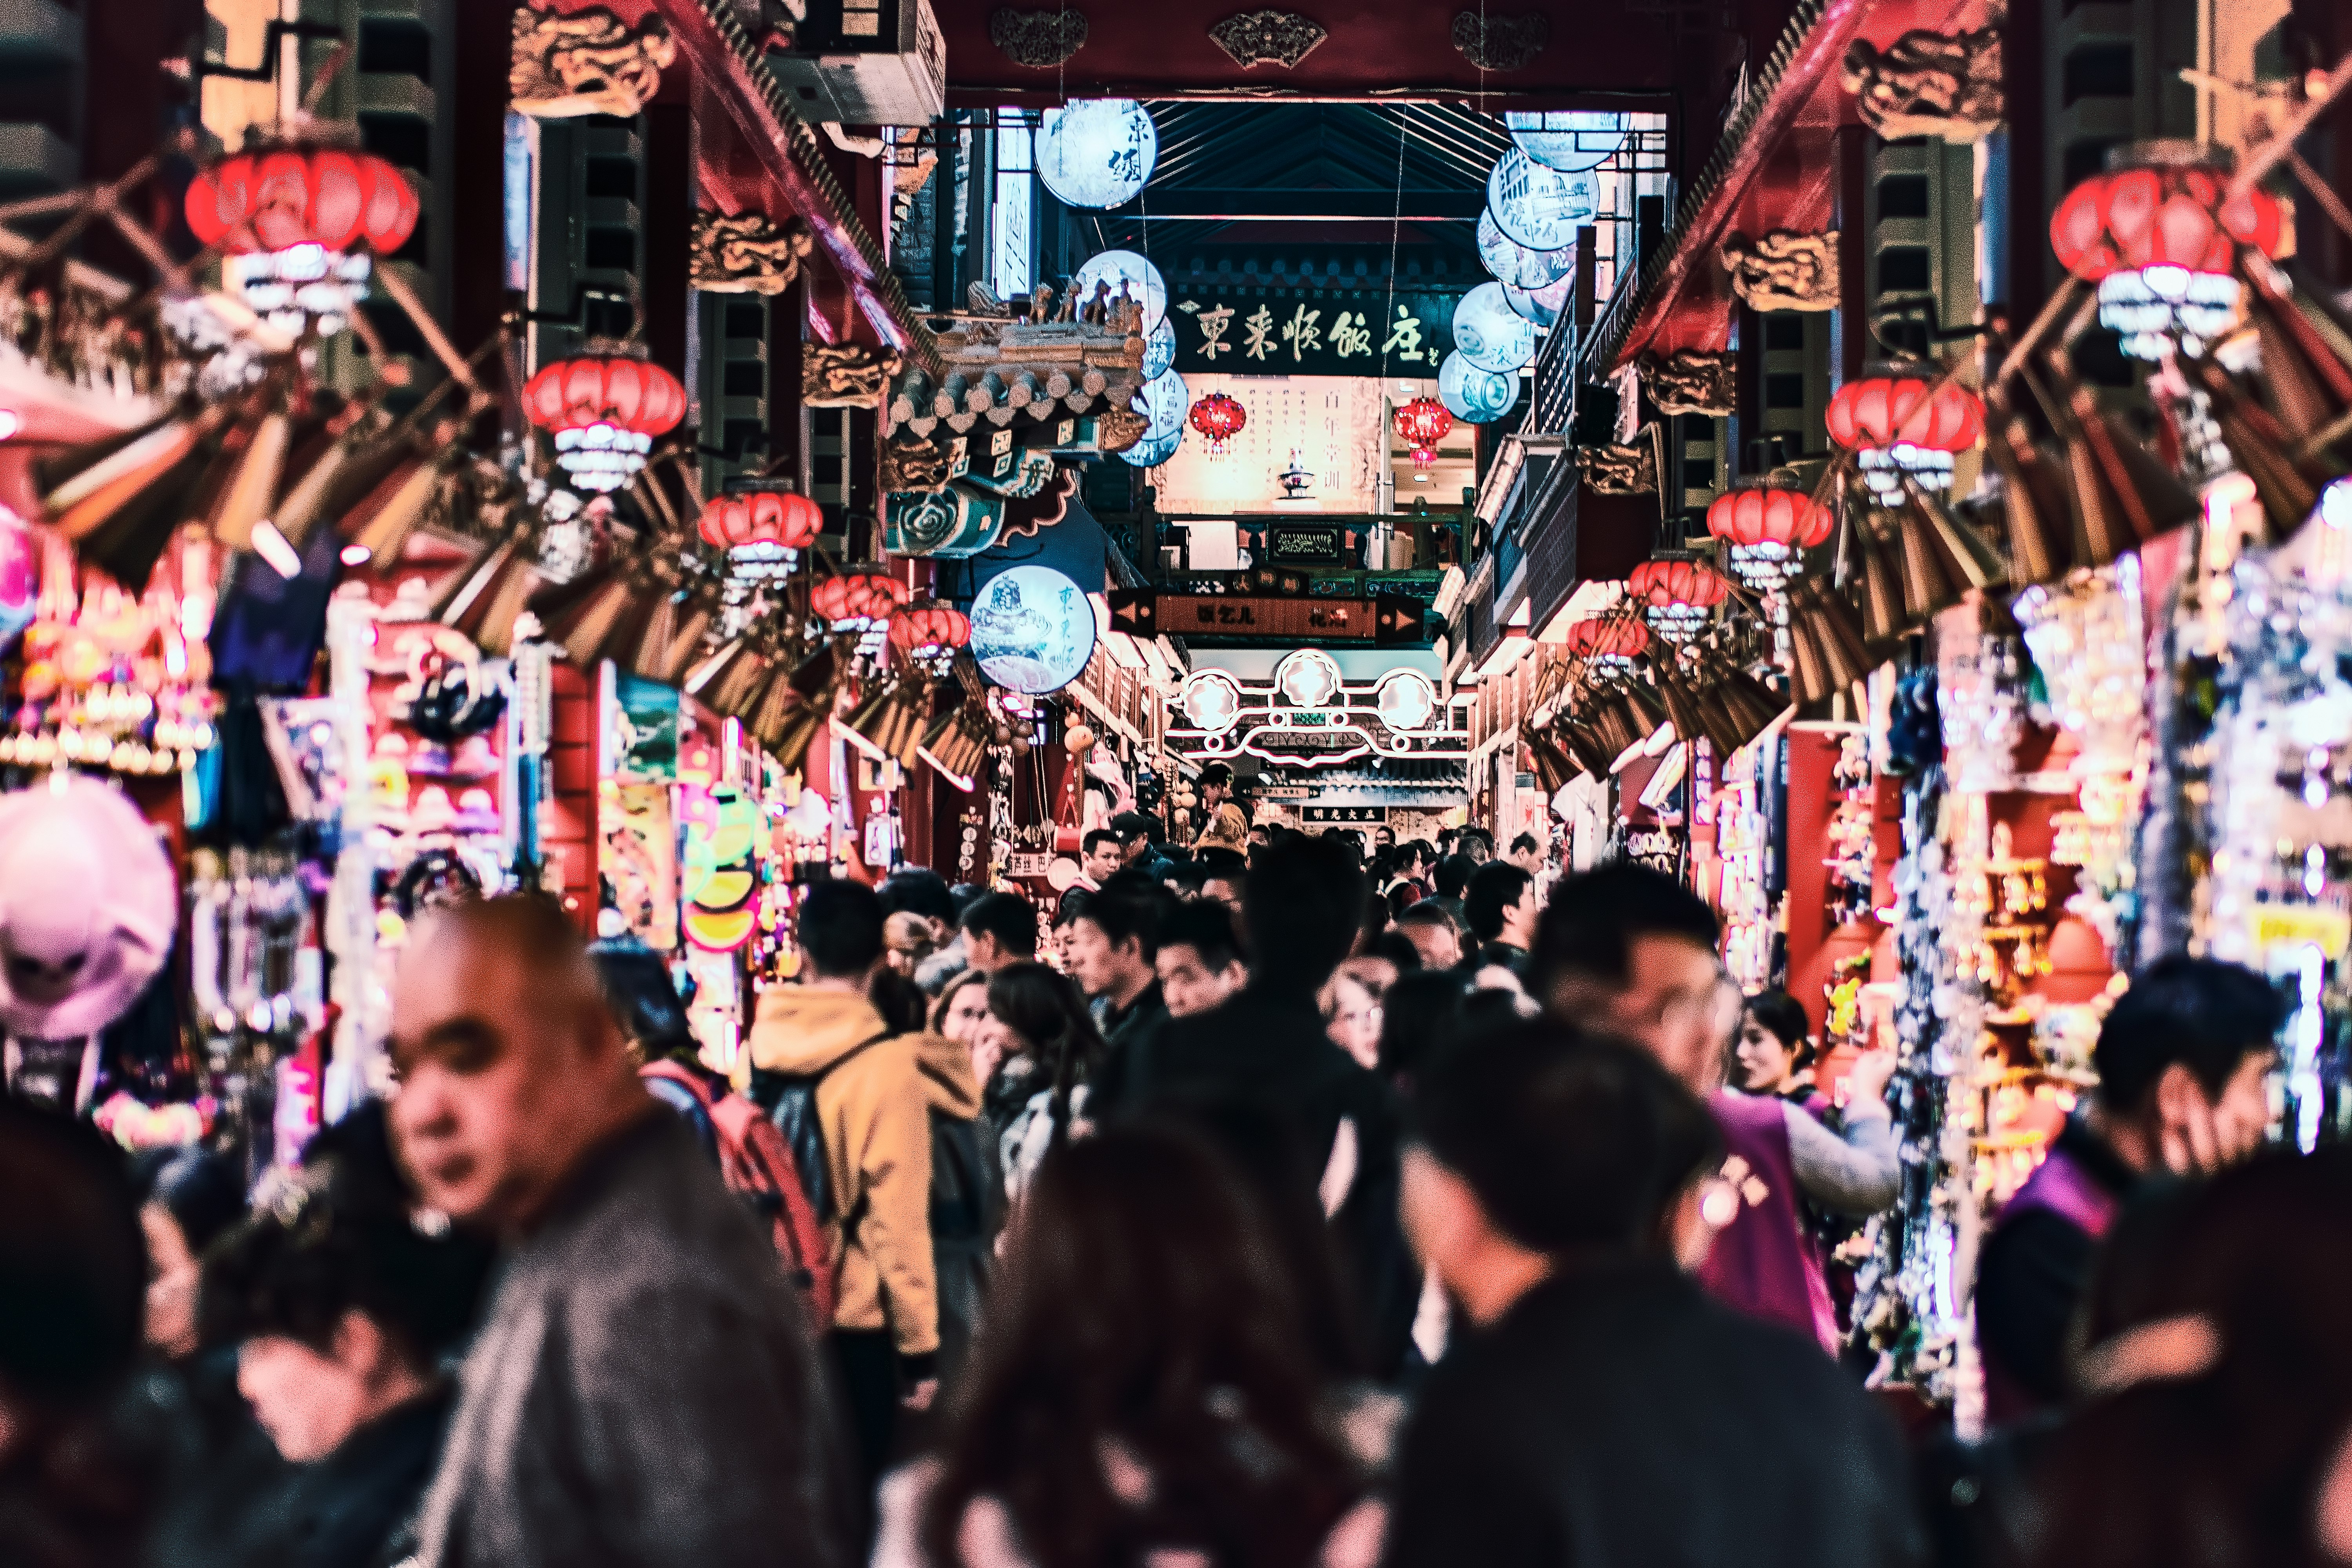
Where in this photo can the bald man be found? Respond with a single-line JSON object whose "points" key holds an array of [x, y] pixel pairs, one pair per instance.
{"points": [[645, 1390]]}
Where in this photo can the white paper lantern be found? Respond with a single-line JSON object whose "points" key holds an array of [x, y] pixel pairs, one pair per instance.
{"points": [[1096, 153], [1491, 335], [1570, 141], [1473, 395], [1538, 206], [1143, 282]]}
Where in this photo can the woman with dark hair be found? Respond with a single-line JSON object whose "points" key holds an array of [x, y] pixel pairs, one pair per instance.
{"points": [[1773, 1053], [343, 1308], [1148, 1386], [218, 1499], [188, 1196], [1049, 1048]]}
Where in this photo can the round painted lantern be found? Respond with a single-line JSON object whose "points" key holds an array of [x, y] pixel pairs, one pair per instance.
{"points": [[2158, 231], [1899, 427], [1676, 596], [298, 226], [603, 411]]}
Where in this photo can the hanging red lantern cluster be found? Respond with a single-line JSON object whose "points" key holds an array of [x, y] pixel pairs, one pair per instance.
{"points": [[1675, 594], [1220, 418], [1902, 423], [299, 224], [1422, 425], [762, 531], [1608, 639], [857, 600], [930, 631], [1768, 531], [603, 411], [2159, 233]]}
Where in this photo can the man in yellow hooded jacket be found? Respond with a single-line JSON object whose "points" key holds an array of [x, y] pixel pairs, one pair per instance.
{"points": [[875, 1091]]}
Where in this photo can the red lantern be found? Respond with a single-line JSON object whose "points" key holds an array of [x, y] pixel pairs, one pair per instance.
{"points": [[603, 411], [1882, 411], [857, 600], [1789, 518], [782, 520], [1422, 425], [2159, 234], [1900, 428], [931, 629], [2168, 206], [1661, 584], [1608, 639], [278, 198], [1676, 594], [298, 224], [1765, 531], [1220, 418]]}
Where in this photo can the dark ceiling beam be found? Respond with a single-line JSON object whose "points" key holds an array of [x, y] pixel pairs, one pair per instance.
{"points": [[1256, 204]]}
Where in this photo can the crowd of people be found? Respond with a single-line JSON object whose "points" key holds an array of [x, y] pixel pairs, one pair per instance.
{"points": [[1292, 1199]]}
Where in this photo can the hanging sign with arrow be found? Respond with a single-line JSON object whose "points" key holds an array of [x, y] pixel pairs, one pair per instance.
{"points": [[1386, 620]]}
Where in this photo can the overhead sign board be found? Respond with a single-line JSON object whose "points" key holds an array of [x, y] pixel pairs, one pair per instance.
{"points": [[1384, 621], [1303, 329]]}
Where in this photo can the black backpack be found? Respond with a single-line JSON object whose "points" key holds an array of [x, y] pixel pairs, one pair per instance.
{"points": [[967, 1193], [967, 1189]]}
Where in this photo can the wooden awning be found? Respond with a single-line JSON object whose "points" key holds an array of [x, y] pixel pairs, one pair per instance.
{"points": [[1775, 168], [757, 153]]}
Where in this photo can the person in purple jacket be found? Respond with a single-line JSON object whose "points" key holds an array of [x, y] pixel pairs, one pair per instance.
{"points": [[2183, 1061], [1625, 951]]}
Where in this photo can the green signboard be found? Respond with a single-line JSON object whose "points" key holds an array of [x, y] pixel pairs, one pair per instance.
{"points": [[1309, 330]]}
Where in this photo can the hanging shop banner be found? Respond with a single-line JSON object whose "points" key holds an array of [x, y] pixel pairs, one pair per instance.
{"points": [[644, 729], [1388, 620], [637, 860], [1313, 331]]}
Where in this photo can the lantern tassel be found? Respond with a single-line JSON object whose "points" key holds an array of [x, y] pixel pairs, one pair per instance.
{"points": [[127, 545], [253, 489], [955, 745], [2032, 501], [1881, 587], [106, 485], [2305, 374], [1811, 683], [2123, 496], [2288, 490], [381, 522], [486, 593]]}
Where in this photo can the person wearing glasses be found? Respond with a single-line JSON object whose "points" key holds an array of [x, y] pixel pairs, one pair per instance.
{"points": [[1623, 949]]}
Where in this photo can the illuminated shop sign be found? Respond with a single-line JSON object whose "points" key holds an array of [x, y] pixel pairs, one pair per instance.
{"points": [[1306, 716]]}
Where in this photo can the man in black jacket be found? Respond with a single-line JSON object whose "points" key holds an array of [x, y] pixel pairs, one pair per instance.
{"points": [[1264, 1053], [1596, 1408], [1114, 939]]}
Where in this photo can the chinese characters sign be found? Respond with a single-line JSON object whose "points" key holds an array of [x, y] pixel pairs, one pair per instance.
{"points": [[1387, 620], [1312, 331]]}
